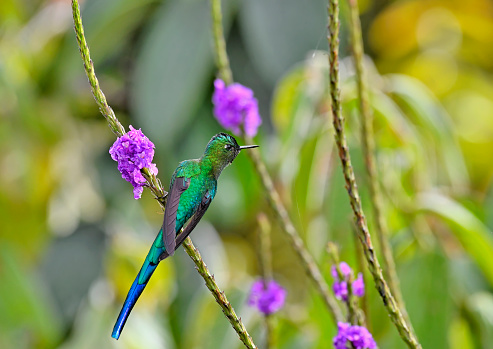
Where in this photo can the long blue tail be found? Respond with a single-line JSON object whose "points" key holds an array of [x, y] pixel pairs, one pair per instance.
{"points": [[132, 297]]}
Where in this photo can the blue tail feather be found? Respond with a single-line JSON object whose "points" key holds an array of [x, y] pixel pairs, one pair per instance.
{"points": [[132, 297]]}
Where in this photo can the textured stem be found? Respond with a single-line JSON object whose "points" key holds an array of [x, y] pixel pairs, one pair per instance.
{"points": [[272, 196], [368, 142], [115, 125], [354, 315], [287, 226], [99, 96], [220, 53], [389, 302], [360, 261], [221, 299], [154, 184]]}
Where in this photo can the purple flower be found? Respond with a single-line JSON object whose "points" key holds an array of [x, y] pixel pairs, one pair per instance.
{"points": [[361, 337], [134, 151], [340, 339], [345, 270], [267, 300], [235, 106], [358, 286], [340, 287], [358, 336], [340, 290]]}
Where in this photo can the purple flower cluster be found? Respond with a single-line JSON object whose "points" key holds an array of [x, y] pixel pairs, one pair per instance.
{"points": [[358, 336], [235, 106], [134, 151], [340, 287], [268, 299]]}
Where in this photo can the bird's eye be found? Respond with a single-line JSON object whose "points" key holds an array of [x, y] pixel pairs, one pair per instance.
{"points": [[228, 146]]}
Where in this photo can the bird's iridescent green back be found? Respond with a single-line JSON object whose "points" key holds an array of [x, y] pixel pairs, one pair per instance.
{"points": [[201, 182]]}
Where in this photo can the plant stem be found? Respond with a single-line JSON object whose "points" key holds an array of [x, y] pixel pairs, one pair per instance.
{"points": [[265, 259], [219, 295], [389, 302], [287, 226], [115, 125], [368, 142], [272, 196], [355, 315], [360, 261], [99, 96], [154, 184], [221, 56], [265, 256]]}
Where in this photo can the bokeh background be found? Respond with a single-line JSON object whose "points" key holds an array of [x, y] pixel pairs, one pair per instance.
{"points": [[72, 238]]}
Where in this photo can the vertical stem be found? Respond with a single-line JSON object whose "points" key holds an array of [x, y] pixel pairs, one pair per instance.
{"points": [[389, 302], [220, 53], [368, 142], [359, 260], [354, 314], [265, 255], [265, 258], [297, 243], [272, 196]]}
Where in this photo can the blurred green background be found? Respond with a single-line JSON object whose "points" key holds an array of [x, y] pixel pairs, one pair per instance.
{"points": [[72, 238]]}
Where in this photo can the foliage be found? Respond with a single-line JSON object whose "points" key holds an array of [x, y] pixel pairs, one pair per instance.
{"points": [[72, 237]]}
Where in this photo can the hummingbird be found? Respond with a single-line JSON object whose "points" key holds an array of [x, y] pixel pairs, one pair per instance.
{"points": [[193, 187]]}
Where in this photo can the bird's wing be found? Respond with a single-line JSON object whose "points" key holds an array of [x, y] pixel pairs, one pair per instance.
{"points": [[180, 182], [204, 205], [169, 223]]}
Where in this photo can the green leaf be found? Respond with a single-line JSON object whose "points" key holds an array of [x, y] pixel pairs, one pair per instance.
{"points": [[425, 283], [25, 307], [285, 99], [427, 298], [480, 308], [434, 122], [475, 237], [460, 336]]}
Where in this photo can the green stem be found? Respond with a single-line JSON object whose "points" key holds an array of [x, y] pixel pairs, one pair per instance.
{"points": [[368, 141], [115, 125], [154, 184], [355, 315], [219, 295], [272, 196], [265, 259], [220, 53], [287, 226], [270, 325], [389, 302], [99, 96], [265, 256], [360, 261]]}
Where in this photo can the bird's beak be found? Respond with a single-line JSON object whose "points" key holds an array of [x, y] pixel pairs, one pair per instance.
{"points": [[248, 146]]}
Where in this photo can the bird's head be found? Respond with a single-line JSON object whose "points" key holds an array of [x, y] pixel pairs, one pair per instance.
{"points": [[222, 149]]}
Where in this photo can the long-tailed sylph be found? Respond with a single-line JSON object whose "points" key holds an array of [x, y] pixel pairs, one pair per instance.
{"points": [[192, 189]]}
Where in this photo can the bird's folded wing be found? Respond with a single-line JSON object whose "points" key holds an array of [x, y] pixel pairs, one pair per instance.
{"points": [[204, 205], [169, 223]]}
